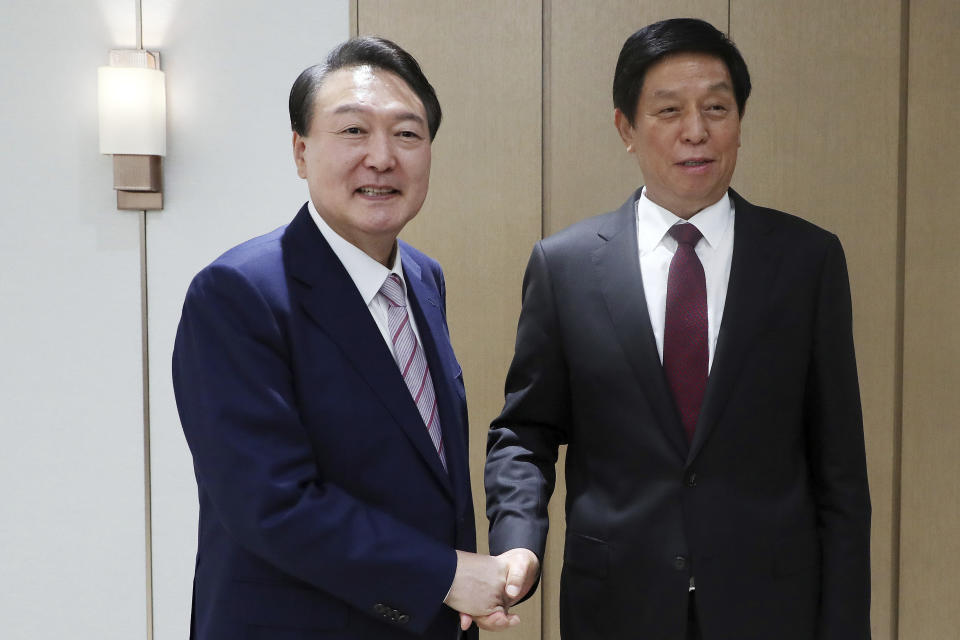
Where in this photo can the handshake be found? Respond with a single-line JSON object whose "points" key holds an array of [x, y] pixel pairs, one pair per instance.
{"points": [[485, 587]]}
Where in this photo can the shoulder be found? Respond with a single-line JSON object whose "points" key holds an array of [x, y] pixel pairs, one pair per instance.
{"points": [[409, 251], [788, 231], [587, 229], [588, 233], [425, 262], [254, 264], [251, 254], [801, 247]]}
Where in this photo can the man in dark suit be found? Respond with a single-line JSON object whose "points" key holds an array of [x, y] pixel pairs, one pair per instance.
{"points": [[695, 354], [320, 395]]}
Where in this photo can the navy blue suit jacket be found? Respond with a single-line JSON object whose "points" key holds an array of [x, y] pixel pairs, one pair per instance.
{"points": [[325, 511]]}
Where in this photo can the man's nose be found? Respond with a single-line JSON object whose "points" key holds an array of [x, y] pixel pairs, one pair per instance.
{"points": [[381, 155], [694, 128]]}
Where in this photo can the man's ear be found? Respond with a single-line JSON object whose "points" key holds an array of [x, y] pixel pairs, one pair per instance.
{"points": [[624, 128], [299, 146]]}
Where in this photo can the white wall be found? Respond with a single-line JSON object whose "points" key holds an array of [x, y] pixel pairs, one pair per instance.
{"points": [[72, 535], [229, 176], [71, 455]]}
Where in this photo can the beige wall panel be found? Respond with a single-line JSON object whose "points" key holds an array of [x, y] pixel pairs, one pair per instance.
{"points": [[821, 140], [930, 533], [586, 168], [483, 212]]}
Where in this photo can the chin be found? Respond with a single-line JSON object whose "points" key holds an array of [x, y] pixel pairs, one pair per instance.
{"points": [[387, 224]]}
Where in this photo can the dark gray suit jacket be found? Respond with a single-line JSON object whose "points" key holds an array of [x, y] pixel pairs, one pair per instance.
{"points": [[768, 508]]}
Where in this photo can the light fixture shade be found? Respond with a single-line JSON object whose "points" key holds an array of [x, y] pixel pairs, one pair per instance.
{"points": [[133, 111]]}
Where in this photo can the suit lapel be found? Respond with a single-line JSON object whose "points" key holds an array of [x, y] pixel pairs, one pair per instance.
{"points": [[618, 269], [331, 300], [752, 272]]}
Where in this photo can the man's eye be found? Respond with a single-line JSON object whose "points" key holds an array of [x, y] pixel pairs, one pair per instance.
{"points": [[413, 135], [668, 110], [717, 107], [353, 131]]}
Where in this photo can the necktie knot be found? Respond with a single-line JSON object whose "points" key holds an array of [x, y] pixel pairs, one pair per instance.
{"points": [[392, 290], [685, 234]]}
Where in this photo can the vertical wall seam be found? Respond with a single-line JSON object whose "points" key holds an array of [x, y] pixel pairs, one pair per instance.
{"points": [[545, 23], [899, 335], [545, 13], [354, 18], [545, 202], [147, 483]]}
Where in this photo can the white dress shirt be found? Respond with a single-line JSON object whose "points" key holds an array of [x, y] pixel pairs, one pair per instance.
{"points": [[367, 274], [656, 248]]}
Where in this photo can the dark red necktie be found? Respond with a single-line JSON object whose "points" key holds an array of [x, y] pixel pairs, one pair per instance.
{"points": [[685, 350]]}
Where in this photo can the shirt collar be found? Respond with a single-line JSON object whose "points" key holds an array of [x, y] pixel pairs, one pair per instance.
{"points": [[653, 221], [367, 274]]}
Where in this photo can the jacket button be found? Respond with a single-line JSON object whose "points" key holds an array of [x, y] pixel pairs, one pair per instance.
{"points": [[403, 619], [679, 563], [691, 479]]}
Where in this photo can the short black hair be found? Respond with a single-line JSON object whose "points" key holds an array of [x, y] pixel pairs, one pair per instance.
{"points": [[656, 41], [376, 52]]}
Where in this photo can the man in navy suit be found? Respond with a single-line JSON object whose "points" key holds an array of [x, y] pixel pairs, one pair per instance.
{"points": [[320, 396], [695, 354]]}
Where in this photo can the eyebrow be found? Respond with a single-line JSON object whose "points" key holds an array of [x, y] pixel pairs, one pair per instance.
{"points": [[399, 117], [670, 93]]}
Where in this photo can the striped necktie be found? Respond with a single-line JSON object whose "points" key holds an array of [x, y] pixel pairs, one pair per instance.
{"points": [[409, 355]]}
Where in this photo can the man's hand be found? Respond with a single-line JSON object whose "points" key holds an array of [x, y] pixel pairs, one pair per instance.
{"points": [[478, 590], [521, 568]]}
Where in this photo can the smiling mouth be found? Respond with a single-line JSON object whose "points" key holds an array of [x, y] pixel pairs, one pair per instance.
{"points": [[377, 191]]}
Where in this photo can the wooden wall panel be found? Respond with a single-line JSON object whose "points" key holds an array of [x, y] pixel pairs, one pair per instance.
{"points": [[930, 530], [483, 211], [586, 168], [821, 140]]}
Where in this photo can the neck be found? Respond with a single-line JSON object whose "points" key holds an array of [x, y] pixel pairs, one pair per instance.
{"points": [[682, 210], [387, 257]]}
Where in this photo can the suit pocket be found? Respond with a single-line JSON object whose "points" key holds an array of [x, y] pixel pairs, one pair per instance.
{"points": [[587, 555], [586, 594], [796, 554], [281, 606]]}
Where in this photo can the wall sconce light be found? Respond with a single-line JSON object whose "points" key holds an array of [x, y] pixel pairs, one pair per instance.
{"points": [[133, 115]]}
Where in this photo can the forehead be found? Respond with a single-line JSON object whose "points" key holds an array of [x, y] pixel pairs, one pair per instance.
{"points": [[684, 72], [366, 87]]}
